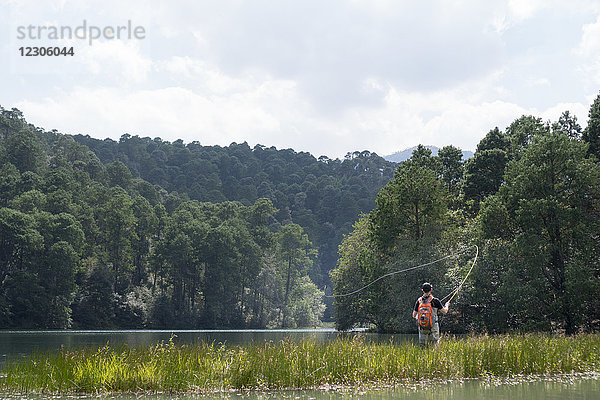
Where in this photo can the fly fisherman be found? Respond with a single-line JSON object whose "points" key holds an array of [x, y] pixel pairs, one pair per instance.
{"points": [[425, 312]]}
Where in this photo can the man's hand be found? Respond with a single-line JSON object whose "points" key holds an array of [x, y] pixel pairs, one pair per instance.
{"points": [[445, 309]]}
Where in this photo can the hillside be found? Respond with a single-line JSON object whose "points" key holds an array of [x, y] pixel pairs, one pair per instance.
{"points": [[144, 232], [147, 233], [324, 196]]}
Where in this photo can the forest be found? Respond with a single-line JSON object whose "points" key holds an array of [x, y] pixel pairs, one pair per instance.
{"points": [[529, 199], [144, 233]]}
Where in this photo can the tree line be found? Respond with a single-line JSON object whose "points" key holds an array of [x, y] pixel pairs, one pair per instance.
{"points": [[529, 198], [87, 244], [322, 195], [142, 232]]}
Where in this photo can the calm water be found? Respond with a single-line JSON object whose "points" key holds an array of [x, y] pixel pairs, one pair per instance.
{"points": [[16, 344], [582, 388]]}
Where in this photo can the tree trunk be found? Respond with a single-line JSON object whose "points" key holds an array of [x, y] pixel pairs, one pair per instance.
{"points": [[417, 223], [287, 292]]}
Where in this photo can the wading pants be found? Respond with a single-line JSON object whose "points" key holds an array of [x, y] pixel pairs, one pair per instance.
{"points": [[429, 337]]}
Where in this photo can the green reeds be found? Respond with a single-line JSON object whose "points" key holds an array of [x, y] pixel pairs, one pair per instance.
{"points": [[169, 367]]}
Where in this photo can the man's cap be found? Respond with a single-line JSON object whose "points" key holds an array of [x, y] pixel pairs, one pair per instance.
{"points": [[426, 287]]}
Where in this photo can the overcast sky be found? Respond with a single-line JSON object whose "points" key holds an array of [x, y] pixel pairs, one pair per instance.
{"points": [[326, 77]]}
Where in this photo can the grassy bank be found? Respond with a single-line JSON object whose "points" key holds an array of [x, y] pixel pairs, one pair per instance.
{"points": [[170, 367]]}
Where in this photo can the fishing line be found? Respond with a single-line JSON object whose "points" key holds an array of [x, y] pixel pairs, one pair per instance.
{"points": [[410, 269], [455, 291]]}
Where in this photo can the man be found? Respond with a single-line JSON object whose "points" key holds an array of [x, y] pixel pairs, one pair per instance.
{"points": [[429, 328]]}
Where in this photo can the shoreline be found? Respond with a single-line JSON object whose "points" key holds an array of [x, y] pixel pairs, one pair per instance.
{"points": [[347, 364], [424, 384]]}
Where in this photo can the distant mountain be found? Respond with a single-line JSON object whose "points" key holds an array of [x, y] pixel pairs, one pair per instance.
{"points": [[404, 155]]}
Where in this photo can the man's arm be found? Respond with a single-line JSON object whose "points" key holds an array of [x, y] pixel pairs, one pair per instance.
{"points": [[446, 307]]}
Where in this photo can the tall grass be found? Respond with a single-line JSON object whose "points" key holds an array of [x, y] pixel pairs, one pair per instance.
{"points": [[169, 367]]}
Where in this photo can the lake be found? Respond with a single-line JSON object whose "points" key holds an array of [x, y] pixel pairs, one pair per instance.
{"points": [[22, 343], [573, 388], [16, 344]]}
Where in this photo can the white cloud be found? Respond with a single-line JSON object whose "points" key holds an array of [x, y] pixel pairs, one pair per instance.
{"points": [[438, 119], [170, 113], [589, 51], [331, 49], [115, 61], [274, 112], [205, 76], [578, 110], [523, 9], [590, 39], [537, 81], [324, 77]]}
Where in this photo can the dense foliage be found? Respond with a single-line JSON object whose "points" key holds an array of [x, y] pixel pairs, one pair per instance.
{"points": [[147, 233], [529, 198], [322, 195], [154, 234]]}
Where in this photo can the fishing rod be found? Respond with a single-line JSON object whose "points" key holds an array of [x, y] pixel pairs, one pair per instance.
{"points": [[453, 293]]}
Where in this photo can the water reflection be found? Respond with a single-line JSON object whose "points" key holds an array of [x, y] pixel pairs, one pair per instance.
{"points": [[23, 343], [581, 388]]}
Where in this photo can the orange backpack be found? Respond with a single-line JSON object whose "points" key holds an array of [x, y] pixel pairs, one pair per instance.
{"points": [[425, 313]]}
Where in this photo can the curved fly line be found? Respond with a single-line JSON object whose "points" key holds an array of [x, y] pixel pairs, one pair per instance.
{"points": [[453, 293]]}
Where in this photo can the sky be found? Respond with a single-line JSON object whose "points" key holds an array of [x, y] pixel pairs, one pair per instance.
{"points": [[327, 77]]}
